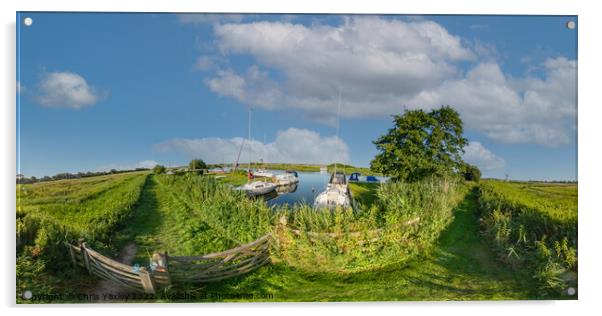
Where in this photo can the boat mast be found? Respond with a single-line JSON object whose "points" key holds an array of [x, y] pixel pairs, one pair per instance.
{"points": [[249, 135], [338, 119]]}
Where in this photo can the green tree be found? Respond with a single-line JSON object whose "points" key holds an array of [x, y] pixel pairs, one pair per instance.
{"points": [[421, 144], [158, 169], [471, 172], [197, 165]]}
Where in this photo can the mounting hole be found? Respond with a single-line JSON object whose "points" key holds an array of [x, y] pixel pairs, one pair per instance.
{"points": [[570, 25], [27, 21], [27, 295], [571, 291]]}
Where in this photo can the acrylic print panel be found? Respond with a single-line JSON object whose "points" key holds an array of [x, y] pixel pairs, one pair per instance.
{"points": [[273, 157]]}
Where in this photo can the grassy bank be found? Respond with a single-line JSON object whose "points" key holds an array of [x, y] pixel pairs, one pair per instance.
{"points": [[49, 213], [402, 223], [193, 215], [534, 226], [460, 266], [417, 241]]}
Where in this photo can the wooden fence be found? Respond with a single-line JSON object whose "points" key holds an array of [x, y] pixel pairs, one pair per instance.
{"points": [[165, 269], [221, 265], [130, 277]]}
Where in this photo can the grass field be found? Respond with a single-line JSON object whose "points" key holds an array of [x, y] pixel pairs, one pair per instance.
{"points": [[556, 200], [442, 257], [534, 226]]}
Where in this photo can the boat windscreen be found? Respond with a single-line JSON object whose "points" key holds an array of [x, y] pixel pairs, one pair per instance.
{"points": [[338, 178]]}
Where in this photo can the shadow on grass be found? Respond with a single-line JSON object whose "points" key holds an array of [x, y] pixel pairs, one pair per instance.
{"points": [[145, 222]]}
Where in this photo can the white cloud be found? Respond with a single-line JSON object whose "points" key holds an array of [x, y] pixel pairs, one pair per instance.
{"points": [[66, 90], [476, 154], [146, 164], [383, 66], [290, 146], [513, 110]]}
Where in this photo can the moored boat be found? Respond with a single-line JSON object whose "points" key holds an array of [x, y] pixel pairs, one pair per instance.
{"points": [[257, 188], [263, 173], [336, 194], [288, 178]]}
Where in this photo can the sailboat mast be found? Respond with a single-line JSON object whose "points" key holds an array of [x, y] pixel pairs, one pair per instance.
{"points": [[249, 135], [338, 123]]}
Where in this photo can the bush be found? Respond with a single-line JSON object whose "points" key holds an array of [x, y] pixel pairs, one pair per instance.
{"points": [[158, 169], [197, 164], [471, 172]]}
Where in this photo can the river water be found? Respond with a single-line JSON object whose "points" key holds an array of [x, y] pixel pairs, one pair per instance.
{"points": [[309, 186]]}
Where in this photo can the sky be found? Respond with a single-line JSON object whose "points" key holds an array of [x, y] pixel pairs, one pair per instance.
{"points": [[116, 90]]}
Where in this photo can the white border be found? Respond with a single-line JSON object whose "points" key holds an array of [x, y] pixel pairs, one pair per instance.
{"points": [[589, 127]]}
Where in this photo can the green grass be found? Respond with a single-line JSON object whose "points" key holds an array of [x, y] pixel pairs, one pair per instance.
{"points": [[193, 215], [50, 213], [90, 208], [557, 201], [533, 226], [442, 257], [364, 193], [460, 267]]}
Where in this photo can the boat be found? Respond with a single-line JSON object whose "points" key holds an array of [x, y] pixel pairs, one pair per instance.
{"points": [[262, 173], [287, 178], [372, 179], [257, 188], [323, 169], [355, 177], [336, 194]]}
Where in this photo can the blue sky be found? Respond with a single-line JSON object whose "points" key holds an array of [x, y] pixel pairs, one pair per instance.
{"points": [[101, 91]]}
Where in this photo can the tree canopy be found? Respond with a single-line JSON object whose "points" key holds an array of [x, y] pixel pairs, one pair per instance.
{"points": [[158, 169], [421, 144], [196, 164], [471, 172]]}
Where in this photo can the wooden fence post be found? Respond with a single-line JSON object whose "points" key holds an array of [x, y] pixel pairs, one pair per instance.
{"points": [[160, 268], [147, 281], [72, 254], [86, 256]]}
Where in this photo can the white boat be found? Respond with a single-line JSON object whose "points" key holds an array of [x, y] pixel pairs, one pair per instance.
{"points": [[336, 194], [262, 173], [288, 178], [257, 188]]}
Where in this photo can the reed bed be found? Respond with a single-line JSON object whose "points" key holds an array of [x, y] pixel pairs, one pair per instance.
{"points": [[403, 223], [210, 216]]}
